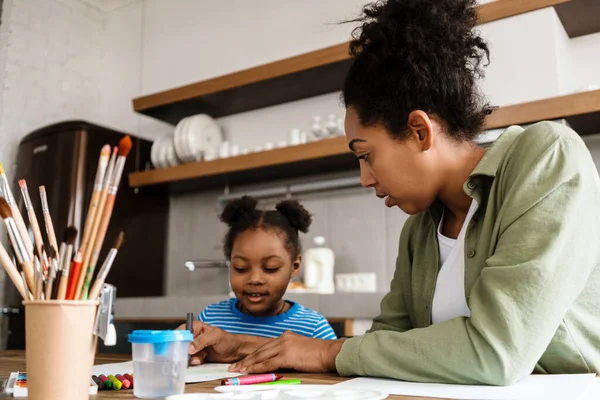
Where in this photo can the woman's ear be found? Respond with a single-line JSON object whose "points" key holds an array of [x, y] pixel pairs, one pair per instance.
{"points": [[421, 129], [296, 265]]}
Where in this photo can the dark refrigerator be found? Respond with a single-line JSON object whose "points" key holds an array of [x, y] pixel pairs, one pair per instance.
{"points": [[63, 157]]}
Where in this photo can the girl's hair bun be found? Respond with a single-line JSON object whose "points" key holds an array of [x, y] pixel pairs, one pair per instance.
{"points": [[298, 217], [243, 208]]}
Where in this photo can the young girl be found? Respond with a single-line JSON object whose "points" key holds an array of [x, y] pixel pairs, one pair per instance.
{"points": [[264, 252]]}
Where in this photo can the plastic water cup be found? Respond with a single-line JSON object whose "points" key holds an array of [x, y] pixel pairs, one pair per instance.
{"points": [[159, 362]]}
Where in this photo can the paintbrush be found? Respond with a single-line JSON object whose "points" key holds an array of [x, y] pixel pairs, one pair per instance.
{"points": [[16, 214], [105, 269], [65, 262], [39, 283], [52, 273], [87, 248], [27, 291], [69, 238], [124, 148], [17, 243], [35, 227], [97, 190], [59, 269], [45, 261], [12, 272], [48, 219], [61, 255]]}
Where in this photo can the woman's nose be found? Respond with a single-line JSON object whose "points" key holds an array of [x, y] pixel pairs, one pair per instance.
{"points": [[367, 179]]}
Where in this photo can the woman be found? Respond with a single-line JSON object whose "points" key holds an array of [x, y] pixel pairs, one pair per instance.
{"points": [[497, 269]]}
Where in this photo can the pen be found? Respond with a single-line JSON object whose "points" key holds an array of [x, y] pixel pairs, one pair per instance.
{"points": [[189, 327]]}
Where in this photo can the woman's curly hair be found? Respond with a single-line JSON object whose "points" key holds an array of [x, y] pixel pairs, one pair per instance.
{"points": [[418, 55]]}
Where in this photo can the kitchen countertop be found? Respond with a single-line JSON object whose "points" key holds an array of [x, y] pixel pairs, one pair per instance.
{"points": [[337, 305]]}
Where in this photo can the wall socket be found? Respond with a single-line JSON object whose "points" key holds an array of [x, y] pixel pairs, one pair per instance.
{"points": [[357, 282]]}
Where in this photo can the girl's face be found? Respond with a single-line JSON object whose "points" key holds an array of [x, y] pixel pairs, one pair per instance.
{"points": [[261, 268], [403, 171]]}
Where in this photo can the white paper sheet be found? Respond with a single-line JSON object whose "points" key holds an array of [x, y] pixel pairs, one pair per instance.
{"points": [[533, 387], [208, 372], [197, 373], [593, 392]]}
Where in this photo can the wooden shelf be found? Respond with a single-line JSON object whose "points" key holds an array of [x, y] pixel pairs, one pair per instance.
{"points": [[306, 75], [329, 155], [500, 9], [579, 17], [294, 78], [581, 110]]}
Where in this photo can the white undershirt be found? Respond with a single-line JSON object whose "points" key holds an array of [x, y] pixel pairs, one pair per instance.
{"points": [[449, 299]]}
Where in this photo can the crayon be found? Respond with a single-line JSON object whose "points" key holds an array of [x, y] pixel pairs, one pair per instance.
{"points": [[129, 378], [117, 385], [107, 382], [251, 379], [98, 382], [124, 381]]}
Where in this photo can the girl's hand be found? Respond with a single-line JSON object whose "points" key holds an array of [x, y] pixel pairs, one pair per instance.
{"points": [[291, 351], [212, 344]]}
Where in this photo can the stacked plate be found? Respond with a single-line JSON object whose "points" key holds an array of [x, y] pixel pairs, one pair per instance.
{"points": [[163, 152], [195, 135]]}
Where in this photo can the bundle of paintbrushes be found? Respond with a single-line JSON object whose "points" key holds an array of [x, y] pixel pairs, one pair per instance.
{"points": [[46, 270]]}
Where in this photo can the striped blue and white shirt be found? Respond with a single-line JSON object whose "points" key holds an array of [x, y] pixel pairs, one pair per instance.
{"points": [[298, 319]]}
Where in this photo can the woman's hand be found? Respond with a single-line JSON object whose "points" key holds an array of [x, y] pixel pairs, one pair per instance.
{"points": [[212, 344], [291, 351]]}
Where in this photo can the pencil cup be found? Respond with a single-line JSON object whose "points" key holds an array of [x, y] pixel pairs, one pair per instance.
{"points": [[159, 362], [59, 346]]}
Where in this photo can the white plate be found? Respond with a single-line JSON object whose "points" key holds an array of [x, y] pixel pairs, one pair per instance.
{"points": [[177, 135], [172, 159], [167, 156], [203, 132], [189, 136], [194, 137], [156, 153], [153, 153], [190, 156], [179, 140], [285, 392], [162, 152]]}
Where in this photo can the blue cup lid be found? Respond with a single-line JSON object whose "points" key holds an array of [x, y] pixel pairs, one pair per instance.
{"points": [[146, 336]]}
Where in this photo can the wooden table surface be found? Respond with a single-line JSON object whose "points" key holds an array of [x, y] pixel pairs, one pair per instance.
{"points": [[14, 360]]}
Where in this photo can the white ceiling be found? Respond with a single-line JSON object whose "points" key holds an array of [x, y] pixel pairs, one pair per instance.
{"points": [[108, 5]]}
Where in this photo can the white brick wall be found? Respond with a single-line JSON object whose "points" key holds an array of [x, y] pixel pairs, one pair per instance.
{"points": [[50, 51], [49, 69]]}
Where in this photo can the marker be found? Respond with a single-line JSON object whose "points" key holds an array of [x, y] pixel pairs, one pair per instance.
{"points": [[282, 382], [189, 326], [117, 385], [129, 378], [107, 382], [98, 382], [124, 381], [251, 379]]}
